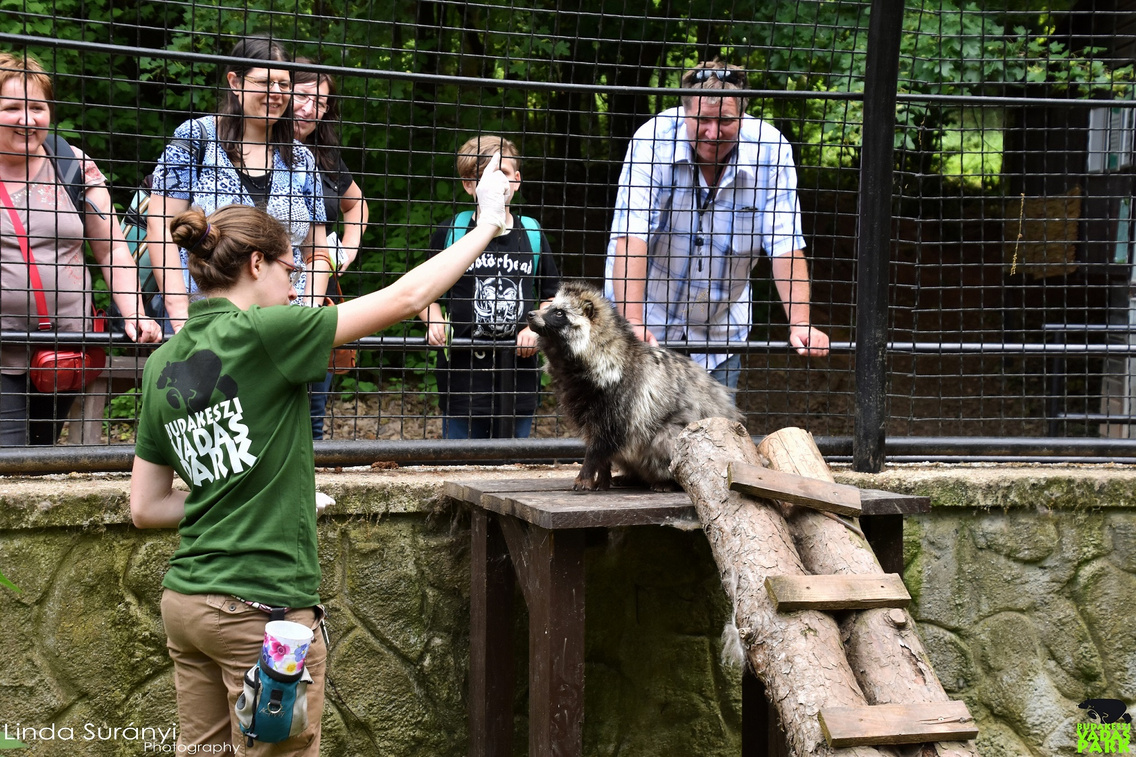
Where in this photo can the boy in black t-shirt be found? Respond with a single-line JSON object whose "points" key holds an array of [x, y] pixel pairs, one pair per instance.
{"points": [[490, 390]]}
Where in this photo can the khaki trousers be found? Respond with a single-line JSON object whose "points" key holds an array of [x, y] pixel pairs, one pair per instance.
{"points": [[213, 640]]}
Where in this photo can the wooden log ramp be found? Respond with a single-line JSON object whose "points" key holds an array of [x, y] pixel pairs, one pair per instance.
{"points": [[851, 689]]}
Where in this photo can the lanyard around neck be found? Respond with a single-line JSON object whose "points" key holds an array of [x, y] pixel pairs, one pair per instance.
{"points": [[25, 248], [701, 206], [712, 192]]}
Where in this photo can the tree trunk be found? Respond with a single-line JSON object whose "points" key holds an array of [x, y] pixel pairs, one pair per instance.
{"points": [[798, 655], [883, 648]]}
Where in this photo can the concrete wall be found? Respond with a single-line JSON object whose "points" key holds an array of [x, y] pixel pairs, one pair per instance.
{"points": [[1023, 582]]}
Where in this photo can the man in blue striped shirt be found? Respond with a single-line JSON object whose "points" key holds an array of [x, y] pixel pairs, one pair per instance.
{"points": [[704, 190]]}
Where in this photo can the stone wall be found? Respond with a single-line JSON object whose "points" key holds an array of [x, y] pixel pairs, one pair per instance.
{"points": [[86, 650], [1023, 582]]}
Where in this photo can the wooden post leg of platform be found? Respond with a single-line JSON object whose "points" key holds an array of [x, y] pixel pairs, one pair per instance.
{"points": [[491, 669], [885, 534], [550, 567], [761, 733]]}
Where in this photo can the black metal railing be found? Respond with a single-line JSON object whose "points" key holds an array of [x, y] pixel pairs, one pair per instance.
{"points": [[970, 241]]}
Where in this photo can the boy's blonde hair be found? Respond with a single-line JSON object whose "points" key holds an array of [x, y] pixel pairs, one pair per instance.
{"points": [[475, 154]]}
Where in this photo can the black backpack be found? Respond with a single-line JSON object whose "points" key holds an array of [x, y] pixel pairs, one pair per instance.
{"points": [[67, 171]]}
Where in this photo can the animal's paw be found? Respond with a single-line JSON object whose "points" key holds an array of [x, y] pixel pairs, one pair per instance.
{"points": [[664, 486], [582, 484], [591, 484]]}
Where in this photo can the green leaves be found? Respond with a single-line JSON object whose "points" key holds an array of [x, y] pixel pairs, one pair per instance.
{"points": [[7, 743], [8, 584], [401, 135]]}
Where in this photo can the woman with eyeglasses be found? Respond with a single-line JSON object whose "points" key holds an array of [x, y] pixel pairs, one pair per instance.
{"points": [[246, 154], [704, 191], [316, 107], [225, 407], [316, 110]]}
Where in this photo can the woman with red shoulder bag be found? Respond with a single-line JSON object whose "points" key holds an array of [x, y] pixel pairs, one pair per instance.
{"points": [[44, 281]]}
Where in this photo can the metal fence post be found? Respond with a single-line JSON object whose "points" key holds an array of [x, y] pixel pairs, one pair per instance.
{"points": [[874, 234]]}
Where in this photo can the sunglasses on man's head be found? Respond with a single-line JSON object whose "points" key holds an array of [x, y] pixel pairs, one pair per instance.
{"points": [[726, 75]]}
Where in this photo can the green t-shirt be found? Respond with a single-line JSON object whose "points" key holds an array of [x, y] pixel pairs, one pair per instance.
{"points": [[225, 404]]}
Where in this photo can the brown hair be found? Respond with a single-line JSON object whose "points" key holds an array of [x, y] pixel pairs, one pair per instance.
{"points": [[476, 153], [27, 69], [257, 52], [221, 244], [324, 140], [715, 75]]}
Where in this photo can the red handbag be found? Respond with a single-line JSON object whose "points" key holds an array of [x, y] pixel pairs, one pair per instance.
{"points": [[55, 370], [68, 370]]}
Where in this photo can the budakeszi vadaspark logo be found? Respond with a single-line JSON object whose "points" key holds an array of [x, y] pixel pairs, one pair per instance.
{"points": [[1108, 730]]}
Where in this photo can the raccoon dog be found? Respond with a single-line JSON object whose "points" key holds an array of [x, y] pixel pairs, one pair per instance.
{"points": [[628, 400]]}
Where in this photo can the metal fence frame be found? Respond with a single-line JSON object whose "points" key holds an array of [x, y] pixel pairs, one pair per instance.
{"points": [[869, 447]]}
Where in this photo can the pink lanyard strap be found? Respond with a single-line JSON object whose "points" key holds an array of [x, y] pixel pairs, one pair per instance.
{"points": [[25, 248]]}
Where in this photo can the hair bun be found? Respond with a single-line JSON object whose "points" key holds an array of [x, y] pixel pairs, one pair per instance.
{"points": [[194, 234], [200, 247]]}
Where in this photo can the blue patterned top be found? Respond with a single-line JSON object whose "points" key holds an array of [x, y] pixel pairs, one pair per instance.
{"points": [[295, 197]]}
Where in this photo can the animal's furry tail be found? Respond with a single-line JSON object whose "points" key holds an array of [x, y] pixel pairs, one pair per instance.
{"points": [[733, 651]]}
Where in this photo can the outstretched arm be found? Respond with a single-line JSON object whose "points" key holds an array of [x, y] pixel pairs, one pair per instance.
{"points": [[418, 287]]}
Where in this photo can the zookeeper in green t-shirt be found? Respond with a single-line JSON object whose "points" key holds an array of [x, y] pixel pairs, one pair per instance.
{"points": [[225, 407]]}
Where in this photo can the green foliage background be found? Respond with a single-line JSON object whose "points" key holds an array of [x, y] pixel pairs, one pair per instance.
{"points": [[567, 82], [132, 100]]}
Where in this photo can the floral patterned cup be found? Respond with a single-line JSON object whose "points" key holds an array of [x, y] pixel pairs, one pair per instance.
{"points": [[285, 646]]}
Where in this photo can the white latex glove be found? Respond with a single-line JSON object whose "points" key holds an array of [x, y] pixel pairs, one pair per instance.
{"points": [[338, 256], [322, 501], [492, 195]]}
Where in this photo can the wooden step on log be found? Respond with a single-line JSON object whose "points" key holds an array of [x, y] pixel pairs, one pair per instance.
{"points": [[837, 592], [816, 493], [882, 724]]}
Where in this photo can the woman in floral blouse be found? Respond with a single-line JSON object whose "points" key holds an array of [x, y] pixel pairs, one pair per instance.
{"points": [[247, 155]]}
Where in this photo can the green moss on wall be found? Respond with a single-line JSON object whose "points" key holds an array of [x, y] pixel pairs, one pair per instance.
{"points": [[1022, 583]]}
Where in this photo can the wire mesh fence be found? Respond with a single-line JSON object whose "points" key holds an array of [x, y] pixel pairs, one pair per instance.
{"points": [[1010, 256]]}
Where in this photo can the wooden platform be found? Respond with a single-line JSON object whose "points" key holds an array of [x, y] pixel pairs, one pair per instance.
{"points": [[531, 531], [550, 503]]}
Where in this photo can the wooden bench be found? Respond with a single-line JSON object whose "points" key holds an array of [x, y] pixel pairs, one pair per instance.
{"points": [[532, 530], [85, 421]]}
